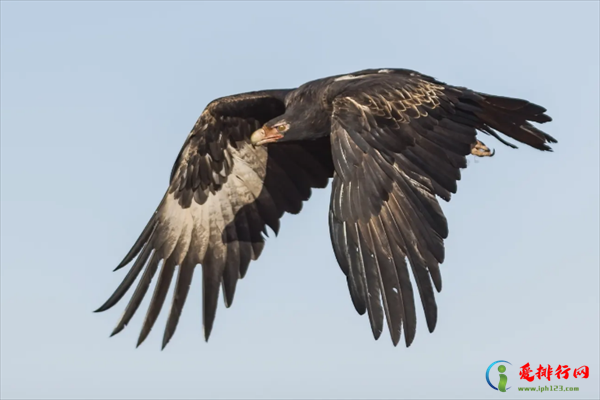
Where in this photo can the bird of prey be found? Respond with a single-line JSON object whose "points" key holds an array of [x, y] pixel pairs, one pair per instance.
{"points": [[393, 140]]}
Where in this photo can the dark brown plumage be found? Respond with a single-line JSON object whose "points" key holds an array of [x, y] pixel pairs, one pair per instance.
{"points": [[392, 140]]}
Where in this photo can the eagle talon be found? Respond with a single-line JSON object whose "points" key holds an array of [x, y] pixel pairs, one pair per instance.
{"points": [[481, 150]]}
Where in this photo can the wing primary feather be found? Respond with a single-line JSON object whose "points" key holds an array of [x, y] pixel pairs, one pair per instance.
{"points": [[245, 246], [230, 240], [213, 266], [158, 298], [132, 274], [356, 276], [211, 280], [419, 270], [356, 268], [139, 293], [388, 279], [340, 247], [268, 211], [141, 241], [406, 290], [231, 272], [256, 224], [344, 254], [369, 270], [426, 219], [182, 288]]}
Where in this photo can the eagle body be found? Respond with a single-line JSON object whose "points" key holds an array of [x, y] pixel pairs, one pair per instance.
{"points": [[391, 140]]}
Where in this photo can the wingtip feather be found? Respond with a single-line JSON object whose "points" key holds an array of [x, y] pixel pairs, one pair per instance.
{"points": [[117, 329]]}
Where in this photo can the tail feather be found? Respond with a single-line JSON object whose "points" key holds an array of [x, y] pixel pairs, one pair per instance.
{"points": [[512, 117]]}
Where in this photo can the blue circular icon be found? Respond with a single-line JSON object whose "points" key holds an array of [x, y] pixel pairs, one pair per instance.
{"points": [[487, 373]]}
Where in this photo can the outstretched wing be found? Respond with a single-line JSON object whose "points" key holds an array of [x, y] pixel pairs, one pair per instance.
{"points": [[223, 193], [398, 140]]}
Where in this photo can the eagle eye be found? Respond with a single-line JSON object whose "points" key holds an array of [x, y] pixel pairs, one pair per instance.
{"points": [[281, 128]]}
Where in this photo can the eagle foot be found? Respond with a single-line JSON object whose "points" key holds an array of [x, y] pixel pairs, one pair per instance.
{"points": [[481, 150]]}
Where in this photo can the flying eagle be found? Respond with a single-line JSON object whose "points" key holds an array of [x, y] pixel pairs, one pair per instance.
{"points": [[393, 140]]}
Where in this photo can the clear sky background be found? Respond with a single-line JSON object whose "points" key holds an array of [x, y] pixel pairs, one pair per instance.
{"points": [[97, 99]]}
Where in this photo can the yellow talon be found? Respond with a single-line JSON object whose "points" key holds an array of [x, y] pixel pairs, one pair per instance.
{"points": [[481, 150]]}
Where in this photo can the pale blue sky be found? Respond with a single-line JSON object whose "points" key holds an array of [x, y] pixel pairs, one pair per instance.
{"points": [[98, 97]]}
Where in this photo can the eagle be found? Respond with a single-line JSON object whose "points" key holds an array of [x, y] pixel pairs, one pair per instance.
{"points": [[393, 141]]}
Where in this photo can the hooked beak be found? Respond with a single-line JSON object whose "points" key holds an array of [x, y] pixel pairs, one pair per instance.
{"points": [[265, 135]]}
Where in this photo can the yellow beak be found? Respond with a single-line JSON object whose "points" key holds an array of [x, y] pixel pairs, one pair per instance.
{"points": [[265, 135]]}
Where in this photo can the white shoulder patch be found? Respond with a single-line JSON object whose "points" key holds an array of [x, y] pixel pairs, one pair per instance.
{"points": [[384, 71], [348, 77]]}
